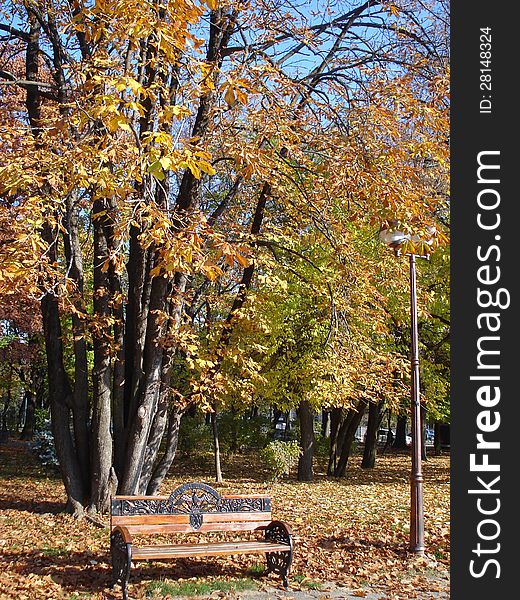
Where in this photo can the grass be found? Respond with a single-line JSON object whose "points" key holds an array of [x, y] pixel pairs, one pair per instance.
{"points": [[159, 589], [52, 551], [306, 583], [256, 570]]}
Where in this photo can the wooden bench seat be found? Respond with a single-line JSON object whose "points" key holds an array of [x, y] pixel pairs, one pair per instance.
{"points": [[195, 508], [212, 549]]}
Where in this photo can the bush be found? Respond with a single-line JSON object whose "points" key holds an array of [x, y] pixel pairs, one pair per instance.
{"points": [[280, 457]]}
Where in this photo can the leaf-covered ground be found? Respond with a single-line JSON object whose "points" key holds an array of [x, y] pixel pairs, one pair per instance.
{"points": [[351, 533]]}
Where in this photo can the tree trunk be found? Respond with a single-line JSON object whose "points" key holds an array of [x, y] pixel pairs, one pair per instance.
{"points": [[336, 417], [424, 455], [172, 440], [60, 394], [158, 427], [325, 423], [149, 390], [346, 436], [139, 286], [30, 416], [102, 373], [118, 369], [5, 409], [437, 445], [400, 433], [307, 441], [375, 414], [216, 447], [80, 411]]}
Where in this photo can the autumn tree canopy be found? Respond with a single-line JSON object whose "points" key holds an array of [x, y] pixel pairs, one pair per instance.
{"points": [[164, 165]]}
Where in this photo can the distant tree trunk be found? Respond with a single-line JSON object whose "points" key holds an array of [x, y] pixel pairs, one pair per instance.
{"points": [[346, 434], [7, 404], [389, 435], [424, 454], [216, 447], [287, 422], [307, 441], [336, 417], [437, 445], [325, 423], [400, 433], [30, 415], [277, 413], [375, 415]]}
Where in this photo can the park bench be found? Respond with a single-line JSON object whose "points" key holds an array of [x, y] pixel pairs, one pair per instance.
{"points": [[192, 508]]}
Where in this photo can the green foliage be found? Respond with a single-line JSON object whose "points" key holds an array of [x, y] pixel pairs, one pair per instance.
{"points": [[240, 432], [321, 445], [194, 435], [280, 457], [41, 416]]}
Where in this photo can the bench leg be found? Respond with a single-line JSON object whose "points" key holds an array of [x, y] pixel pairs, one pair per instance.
{"points": [[279, 562], [121, 553]]}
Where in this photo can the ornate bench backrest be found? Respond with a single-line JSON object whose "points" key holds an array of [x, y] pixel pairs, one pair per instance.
{"points": [[191, 507]]}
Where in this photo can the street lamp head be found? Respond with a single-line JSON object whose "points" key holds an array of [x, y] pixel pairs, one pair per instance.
{"points": [[396, 239]]}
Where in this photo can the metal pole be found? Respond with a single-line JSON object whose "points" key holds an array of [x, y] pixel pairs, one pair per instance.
{"points": [[416, 479]]}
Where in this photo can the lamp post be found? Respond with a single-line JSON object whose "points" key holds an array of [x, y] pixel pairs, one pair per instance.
{"points": [[395, 239]]}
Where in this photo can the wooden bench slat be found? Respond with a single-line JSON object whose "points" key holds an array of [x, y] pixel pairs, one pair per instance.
{"points": [[223, 548], [207, 518], [187, 528]]}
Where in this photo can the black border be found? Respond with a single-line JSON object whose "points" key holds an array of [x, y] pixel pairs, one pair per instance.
{"points": [[473, 132]]}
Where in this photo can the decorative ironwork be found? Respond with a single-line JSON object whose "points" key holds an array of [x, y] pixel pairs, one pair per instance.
{"points": [[245, 505], [193, 499], [121, 553], [279, 562]]}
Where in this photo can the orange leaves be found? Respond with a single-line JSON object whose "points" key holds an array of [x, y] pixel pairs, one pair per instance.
{"points": [[235, 90], [196, 162], [212, 4], [231, 253]]}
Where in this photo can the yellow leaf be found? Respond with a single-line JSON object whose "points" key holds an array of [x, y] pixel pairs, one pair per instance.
{"points": [[242, 260], [241, 96], [134, 85], [166, 162], [229, 96], [206, 167], [192, 166]]}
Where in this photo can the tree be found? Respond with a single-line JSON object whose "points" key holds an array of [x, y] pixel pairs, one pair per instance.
{"points": [[143, 172]]}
